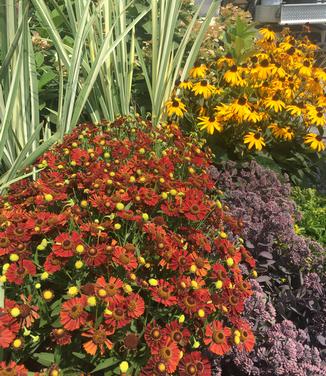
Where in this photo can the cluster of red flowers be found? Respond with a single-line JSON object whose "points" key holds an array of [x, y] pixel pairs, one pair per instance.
{"points": [[121, 249]]}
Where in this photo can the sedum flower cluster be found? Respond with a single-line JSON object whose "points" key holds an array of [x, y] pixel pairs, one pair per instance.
{"points": [[284, 352], [275, 96], [291, 266], [121, 255]]}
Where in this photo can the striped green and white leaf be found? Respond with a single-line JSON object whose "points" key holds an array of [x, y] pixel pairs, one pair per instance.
{"points": [[167, 59]]}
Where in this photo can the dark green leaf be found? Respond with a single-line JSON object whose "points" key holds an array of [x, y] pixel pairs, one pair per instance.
{"points": [[105, 364], [44, 358]]}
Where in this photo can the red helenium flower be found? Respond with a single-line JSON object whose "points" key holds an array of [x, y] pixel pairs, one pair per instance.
{"points": [[217, 337], [73, 314]]}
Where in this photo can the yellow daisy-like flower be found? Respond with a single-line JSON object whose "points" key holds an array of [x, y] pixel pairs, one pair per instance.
{"points": [[321, 101], [241, 107], [320, 74], [186, 85], [294, 110], [210, 124], [225, 60], [255, 116], [278, 70], [233, 76], [175, 107], [263, 70], [305, 69], [224, 111], [290, 87], [314, 141], [274, 104], [316, 116], [267, 34], [254, 139], [203, 88], [198, 70], [284, 133]]}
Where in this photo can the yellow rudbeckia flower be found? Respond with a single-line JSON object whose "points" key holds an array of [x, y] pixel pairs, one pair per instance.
{"points": [[314, 141], [233, 76], [210, 124], [274, 103], [203, 88], [198, 70], [254, 140], [267, 34], [175, 107]]}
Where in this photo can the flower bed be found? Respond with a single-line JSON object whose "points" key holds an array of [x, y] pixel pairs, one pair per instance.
{"points": [[120, 255]]}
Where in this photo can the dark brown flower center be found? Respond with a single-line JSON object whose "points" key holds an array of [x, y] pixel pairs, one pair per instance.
{"points": [[291, 51], [8, 372], [233, 300], [111, 289], [200, 262], [242, 101], [124, 259], [166, 353], [131, 341], [177, 336], [156, 333], [99, 337], [25, 310], [76, 311], [190, 301], [175, 103], [4, 242], [194, 209], [264, 63], [200, 366], [92, 251], [203, 83], [257, 135], [164, 293], [218, 337], [221, 274], [191, 369], [66, 244], [19, 231], [21, 270], [59, 332], [118, 313], [234, 68]]}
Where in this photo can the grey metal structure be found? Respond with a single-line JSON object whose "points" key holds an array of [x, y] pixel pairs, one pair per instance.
{"points": [[291, 12]]}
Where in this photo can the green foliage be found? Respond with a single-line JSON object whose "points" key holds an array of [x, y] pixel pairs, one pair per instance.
{"points": [[75, 62], [167, 58], [313, 209], [238, 38]]}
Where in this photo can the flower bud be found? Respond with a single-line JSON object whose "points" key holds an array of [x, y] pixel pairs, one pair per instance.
{"points": [[153, 282], [229, 261], [124, 366], [181, 319], [91, 301], [15, 312]]}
